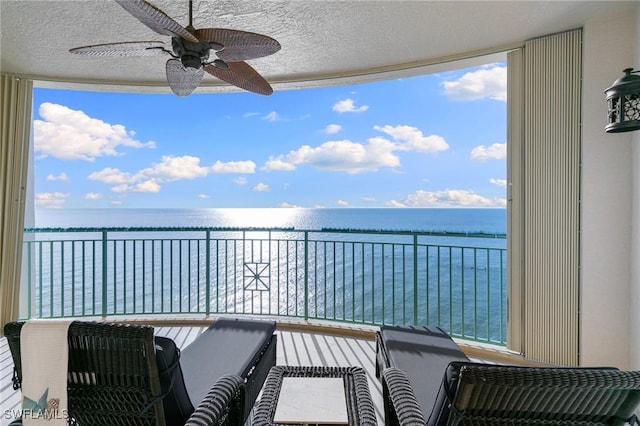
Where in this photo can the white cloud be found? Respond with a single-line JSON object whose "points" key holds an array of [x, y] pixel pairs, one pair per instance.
{"points": [[332, 129], [150, 185], [286, 205], [51, 200], [61, 177], [497, 151], [240, 180], [173, 168], [368, 199], [394, 203], [272, 116], [170, 169], [412, 139], [203, 196], [499, 182], [342, 156], [111, 176], [261, 187], [448, 198], [250, 114], [348, 105], [234, 167], [342, 203], [484, 83], [353, 157], [278, 164], [93, 196], [68, 134]]}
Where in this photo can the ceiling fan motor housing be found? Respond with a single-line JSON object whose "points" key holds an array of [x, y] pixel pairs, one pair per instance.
{"points": [[191, 54]]}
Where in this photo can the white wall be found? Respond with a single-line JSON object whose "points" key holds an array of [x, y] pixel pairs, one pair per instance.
{"points": [[609, 189], [634, 299]]}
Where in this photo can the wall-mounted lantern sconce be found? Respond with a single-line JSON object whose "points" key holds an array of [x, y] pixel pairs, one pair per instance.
{"points": [[623, 100]]}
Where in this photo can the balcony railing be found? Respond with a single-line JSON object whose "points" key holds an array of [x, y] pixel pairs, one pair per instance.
{"points": [[453, 280]]}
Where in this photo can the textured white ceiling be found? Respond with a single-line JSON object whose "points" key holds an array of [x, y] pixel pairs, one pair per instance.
{"points": [[323, 42]]}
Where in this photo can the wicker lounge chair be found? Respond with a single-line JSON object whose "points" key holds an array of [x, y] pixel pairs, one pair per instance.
{"points": [[421, 352], [484, 394], [212, 382]]}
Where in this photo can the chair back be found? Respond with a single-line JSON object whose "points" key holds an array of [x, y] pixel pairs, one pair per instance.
{"points": [[495, 394], [112, 377]]}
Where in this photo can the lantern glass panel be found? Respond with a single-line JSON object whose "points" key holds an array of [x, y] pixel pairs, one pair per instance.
{"points": [[632, 107]]}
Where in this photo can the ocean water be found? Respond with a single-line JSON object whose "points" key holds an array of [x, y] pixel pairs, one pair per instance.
{"points": [[492, 221]]}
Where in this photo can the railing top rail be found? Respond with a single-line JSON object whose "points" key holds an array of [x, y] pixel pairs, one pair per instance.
{"points": [[415, 232], [276, 229], [156, 229]]}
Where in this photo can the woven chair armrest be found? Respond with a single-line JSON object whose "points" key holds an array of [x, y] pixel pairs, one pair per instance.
{"points": [[366, 409], [221, 406], [401, 406]]}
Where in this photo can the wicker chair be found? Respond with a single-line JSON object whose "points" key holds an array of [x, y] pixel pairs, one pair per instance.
{"points": [[129, 387], [427, 380], [484, 394]]}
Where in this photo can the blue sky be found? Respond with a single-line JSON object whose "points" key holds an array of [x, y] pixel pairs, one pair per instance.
{"points": [[435, 140]]}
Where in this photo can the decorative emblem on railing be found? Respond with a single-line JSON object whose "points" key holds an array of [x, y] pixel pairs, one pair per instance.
{"points": [[257, 276]]}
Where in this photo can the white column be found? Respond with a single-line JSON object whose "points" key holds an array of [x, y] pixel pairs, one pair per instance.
{"points": [[607, 195]]}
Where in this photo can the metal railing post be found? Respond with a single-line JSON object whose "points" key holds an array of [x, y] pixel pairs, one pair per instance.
{"points": [[104, 274], [306, 275], [208, 272], [30, 284], [415, 279]]}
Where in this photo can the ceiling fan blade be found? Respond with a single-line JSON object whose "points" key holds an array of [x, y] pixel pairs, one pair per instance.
{"points": [[239, 45], [132, 48], [183, 80], [241, 75], [155, 19]]}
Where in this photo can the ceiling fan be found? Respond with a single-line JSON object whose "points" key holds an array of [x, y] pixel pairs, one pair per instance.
{"points": [[192, 50]]}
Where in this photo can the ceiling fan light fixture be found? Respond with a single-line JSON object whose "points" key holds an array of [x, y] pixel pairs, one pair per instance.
{"points": [[183, 81]]}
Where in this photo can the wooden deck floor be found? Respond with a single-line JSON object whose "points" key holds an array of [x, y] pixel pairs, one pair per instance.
{"points": [[294, 348]]}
